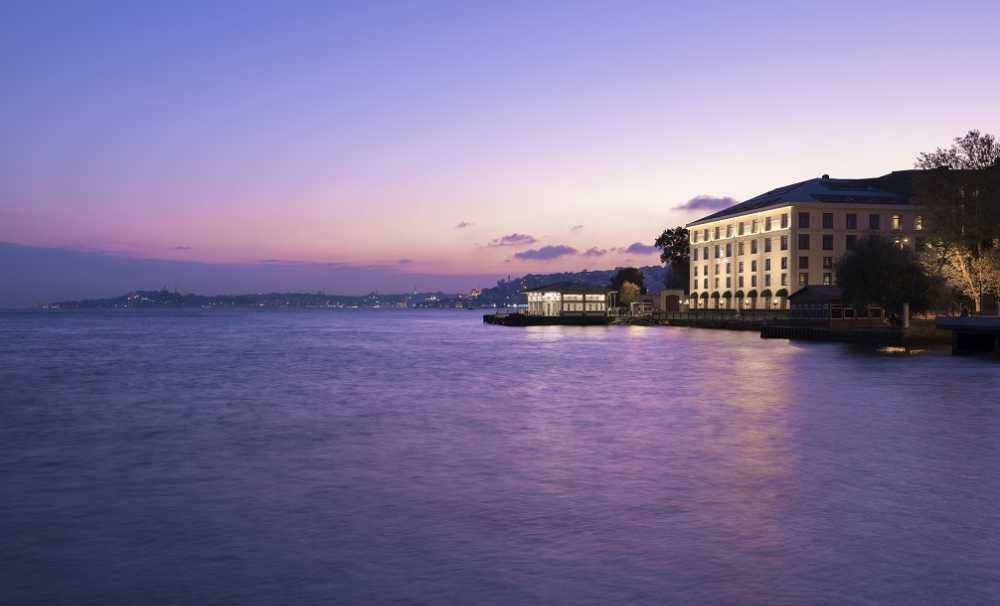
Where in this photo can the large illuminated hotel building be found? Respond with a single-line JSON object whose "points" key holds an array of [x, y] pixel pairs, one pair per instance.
{"points": [[754, 254]]}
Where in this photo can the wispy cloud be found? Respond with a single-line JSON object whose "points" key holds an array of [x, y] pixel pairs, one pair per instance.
{"points": [[638, 248], [514, 239], [464, 224], [593, 251], [404, 261], [180, 248], [706, 203], [576, 228], [545, 253]]}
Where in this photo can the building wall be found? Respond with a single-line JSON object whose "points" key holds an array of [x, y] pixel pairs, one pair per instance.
{"points": [[781, 267], [554, 303]]}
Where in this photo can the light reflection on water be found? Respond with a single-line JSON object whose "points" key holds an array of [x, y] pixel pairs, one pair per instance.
{"points": [[381, 457]]}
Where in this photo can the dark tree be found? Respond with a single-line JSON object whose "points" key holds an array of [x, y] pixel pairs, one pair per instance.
{"points": [[628, 274], [960, 195], [675, 251], [878, 272]]}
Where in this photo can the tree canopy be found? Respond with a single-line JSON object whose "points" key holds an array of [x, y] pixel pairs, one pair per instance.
{"points": [[960, 196], [628, 293], [628, 274], [675, 250], [878, 272]]}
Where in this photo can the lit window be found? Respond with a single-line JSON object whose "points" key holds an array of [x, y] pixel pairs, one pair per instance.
{"points": [[896, 222], [918, 223]]}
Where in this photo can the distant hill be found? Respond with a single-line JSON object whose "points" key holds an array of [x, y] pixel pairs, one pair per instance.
{"points": [[510, 292]]}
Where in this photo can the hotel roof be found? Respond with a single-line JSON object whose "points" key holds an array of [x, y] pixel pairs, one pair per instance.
{"points": [[894, 188]]}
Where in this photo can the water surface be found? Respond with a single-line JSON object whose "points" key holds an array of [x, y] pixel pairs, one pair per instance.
{"points": [[422, 457]]}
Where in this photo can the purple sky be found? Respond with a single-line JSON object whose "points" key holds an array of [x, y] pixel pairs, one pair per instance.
{"points": [[368, 133]]}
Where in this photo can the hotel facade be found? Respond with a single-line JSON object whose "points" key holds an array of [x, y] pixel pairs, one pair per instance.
{"points": [[753, 255]]}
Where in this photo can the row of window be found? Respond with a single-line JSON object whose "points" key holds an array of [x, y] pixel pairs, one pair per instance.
{"points": [[803, 264], [804, 222], [740, 228], [740, 283], [804, 242]]}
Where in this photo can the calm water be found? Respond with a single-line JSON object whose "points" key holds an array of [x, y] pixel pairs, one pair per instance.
{"points": [[405, 458]]}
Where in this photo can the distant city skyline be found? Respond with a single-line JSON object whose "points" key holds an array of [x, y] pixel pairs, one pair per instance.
{"points": [[441, 145]]}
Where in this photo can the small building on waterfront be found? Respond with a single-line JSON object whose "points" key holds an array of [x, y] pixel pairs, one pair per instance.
{"points": [[824, 305], [569, 299]]}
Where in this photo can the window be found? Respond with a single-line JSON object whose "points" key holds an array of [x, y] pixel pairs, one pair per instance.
{"points": [[729, 249], [784, 262], [918, 223], [729, 282], [803, 279], [704, 235], [696, 271], [803, 220], [767, 244], [740, 249], [729, 231], [740, 281], [827, 241], [827, 262], [784, 242], [827, 220], [920, 243], [828, 279], [767, 264], [753, 226], [784, 221], [717, 233], [851, 241], [896, 223], [767, 279], [852, 221], [694, 254], [803, 241], [753, 280], [728, 267], [717, 249], [741, 228], [740, 267], [803, 262], [704, 283], [767, 224], [784, 279], [753, 247], [874, 221], [753, 266], [717, 281], [694, 237]]}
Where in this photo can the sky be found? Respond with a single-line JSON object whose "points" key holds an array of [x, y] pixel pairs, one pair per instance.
{"points": [[446, 144]]}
